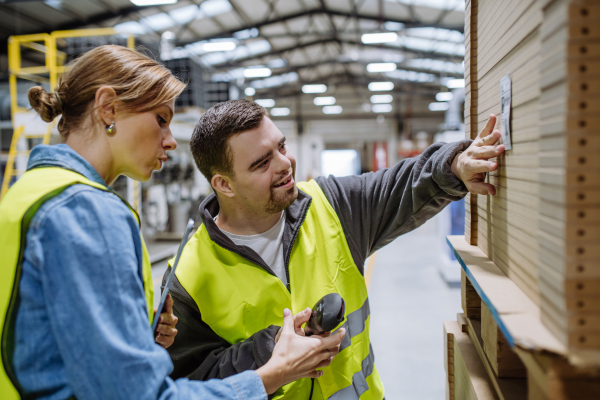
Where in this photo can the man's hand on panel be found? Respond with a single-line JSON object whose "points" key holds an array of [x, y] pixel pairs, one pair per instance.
{"points": [[471, 165]]}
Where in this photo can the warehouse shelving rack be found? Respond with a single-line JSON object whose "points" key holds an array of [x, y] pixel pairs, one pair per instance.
{"points": [[28, 131]]}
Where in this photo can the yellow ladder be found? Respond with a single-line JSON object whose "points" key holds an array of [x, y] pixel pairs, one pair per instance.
{"points": [[44, 74]]}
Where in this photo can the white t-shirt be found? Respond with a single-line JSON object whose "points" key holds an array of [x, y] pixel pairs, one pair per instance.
{"points": [[268, 245]]}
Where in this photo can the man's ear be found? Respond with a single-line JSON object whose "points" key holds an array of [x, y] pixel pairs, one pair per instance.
{"points": [[105, 104], [222, 184]]}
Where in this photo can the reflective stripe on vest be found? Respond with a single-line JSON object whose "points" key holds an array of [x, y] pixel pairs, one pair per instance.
{"points": [[237, 298], [17, 209]]}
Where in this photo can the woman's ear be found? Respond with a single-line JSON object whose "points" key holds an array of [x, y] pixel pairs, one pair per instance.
{"points": [[105, 104], [221, 184]]}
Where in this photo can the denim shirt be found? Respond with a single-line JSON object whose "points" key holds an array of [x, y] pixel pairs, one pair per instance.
{"points": [[82, 325]]}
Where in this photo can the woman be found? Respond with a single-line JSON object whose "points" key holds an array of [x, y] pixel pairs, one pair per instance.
{"points": [[75, 282]]}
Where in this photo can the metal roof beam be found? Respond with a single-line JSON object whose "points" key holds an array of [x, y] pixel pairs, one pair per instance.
{"points": [[325, 11], [434, 55]]}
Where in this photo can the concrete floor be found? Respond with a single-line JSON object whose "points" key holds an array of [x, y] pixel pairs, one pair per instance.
{"points": [[409, 301]]}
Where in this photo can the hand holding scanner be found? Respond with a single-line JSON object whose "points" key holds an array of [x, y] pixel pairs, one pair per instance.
{"points": [[326, 315]]}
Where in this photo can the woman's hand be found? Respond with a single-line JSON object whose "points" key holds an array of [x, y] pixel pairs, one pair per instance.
{"points": [[165, 331], [296, 356]]}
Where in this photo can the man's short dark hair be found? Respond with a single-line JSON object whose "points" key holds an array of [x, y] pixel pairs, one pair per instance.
{"points": [[209, 143]]}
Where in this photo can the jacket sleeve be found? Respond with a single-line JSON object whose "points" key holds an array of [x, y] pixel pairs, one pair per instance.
{"points": [[377, 207], [198, 353]]}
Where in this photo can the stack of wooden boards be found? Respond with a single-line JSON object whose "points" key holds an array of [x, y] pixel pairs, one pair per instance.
{"points": [[473, 372], [542, 228], [501, 371]]}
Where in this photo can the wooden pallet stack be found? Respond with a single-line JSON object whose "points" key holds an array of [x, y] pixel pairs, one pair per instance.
{"points": [[542, 227]]}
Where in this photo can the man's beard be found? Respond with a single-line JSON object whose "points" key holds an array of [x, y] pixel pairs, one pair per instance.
{"points": [[280, 201]]}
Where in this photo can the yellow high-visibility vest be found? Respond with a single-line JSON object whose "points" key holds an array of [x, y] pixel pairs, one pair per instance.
{"points": [[17, 209], [237, 298]]}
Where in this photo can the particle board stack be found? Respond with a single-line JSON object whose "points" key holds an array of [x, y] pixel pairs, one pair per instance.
{"points": [[569, 224], [470, 62], [542, 228], [466, 374], [508, 42]]}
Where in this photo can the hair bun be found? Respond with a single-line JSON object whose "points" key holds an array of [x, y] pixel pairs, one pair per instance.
{"points": [[46, 104]]}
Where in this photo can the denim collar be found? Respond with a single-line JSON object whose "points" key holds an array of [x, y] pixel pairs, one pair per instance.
{"points": [[62, 156]]}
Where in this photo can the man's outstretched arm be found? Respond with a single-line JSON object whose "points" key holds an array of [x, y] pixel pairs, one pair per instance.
{"points": [[377, 207]]}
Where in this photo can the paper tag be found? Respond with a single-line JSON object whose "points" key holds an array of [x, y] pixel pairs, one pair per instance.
{"points": [[505, 100]]}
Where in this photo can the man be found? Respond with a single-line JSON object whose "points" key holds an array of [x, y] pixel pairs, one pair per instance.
{"points": [[267, 243]]}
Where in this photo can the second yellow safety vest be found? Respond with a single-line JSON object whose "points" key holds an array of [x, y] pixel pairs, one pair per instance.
{"points": [[237, 298], [17, 209]]}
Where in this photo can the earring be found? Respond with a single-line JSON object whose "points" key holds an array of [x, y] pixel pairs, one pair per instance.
{"points": [[111, 129]]}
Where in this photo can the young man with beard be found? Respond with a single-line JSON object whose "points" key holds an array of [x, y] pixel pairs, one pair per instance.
{"points": [[266, 244]]}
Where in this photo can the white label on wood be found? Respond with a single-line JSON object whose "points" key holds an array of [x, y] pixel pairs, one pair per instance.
{"points": [[505, 100]]}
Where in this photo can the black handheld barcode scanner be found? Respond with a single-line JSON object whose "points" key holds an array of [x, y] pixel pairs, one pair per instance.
{"points": [[326, 315]]}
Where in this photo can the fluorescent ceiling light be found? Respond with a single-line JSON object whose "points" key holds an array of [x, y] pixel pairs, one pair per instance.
{"points": [[249, 91], [381, 67], [380, 86], [382, 98], [218, 46], [439, 106], [257, 72], [280, 112], [265, 102], [444, 96], [131, 27], [314, 89], [324, 101], [152, 2], [381, 108], [384, 37], [332, 110], [455, 83]]}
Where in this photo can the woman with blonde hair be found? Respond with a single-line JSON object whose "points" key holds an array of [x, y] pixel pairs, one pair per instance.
{"points": [[75, 279]]}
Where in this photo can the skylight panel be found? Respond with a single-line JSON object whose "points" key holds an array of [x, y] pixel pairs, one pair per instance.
{"points": [[131, 27], [158, 22], [211, 8], [185, 14]]}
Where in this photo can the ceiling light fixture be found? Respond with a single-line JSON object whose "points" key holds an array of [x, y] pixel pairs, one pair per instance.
{"points": [[152, 2], [385, 37], [381, 86], [382, 98], [381, 67], [439, 106], [280, 111], [314, 88], [455, 83], [444, 96], [332, 110], [324, 101], [249, 91], [257, 72], [265, 102], [218, 46], [381, 108]]}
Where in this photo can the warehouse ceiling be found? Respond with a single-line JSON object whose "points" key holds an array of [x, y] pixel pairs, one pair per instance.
{"points": [[300, 41]]}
